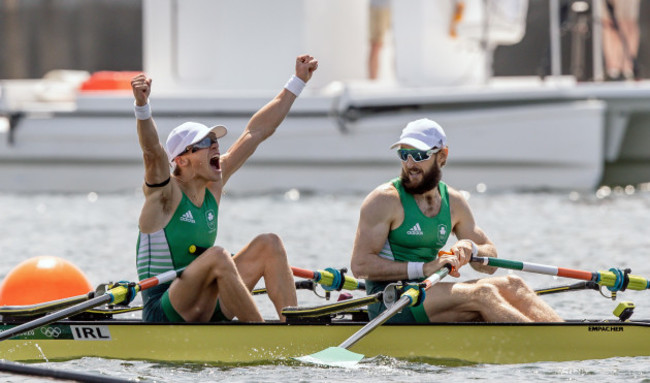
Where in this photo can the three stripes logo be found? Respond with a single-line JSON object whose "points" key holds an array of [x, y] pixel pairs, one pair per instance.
{"points": [[187, 217], [415, 230]]}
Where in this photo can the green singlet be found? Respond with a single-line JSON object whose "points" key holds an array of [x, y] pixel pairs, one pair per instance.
{"points": [[417, 239], [168, 249]]}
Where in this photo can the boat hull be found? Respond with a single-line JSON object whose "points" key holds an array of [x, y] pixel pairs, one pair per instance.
{"points": [[238, 343]]}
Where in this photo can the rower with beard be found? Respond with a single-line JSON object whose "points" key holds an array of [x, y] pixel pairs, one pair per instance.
{"points": [[404, 223], [181, 208]]}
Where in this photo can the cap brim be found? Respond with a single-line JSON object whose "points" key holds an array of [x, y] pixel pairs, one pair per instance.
{"points": [[411, 142], [219, 130]]}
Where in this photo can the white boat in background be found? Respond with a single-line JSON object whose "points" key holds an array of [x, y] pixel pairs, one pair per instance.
{"points": [[218, 62]]}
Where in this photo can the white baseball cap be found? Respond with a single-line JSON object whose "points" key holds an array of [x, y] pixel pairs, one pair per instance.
{"points": [[422, 134], [188, 134]]}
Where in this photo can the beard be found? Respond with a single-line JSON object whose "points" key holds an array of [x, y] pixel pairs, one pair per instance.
{"points": [[429, 181]]}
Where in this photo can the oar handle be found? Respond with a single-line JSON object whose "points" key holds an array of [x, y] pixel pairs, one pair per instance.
{"points": [[614, 278]]}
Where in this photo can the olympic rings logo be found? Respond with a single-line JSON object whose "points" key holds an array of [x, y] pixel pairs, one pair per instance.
{"points": [[51, 332]]}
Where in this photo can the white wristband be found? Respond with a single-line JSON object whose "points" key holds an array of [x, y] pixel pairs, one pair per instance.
{"points": [[295, 85], [474, 247], [415, 270], [142, 112]]}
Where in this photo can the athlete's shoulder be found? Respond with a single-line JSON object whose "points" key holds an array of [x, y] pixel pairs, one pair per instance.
{"points": [[384, 199], [458, 201], [384, 192]]}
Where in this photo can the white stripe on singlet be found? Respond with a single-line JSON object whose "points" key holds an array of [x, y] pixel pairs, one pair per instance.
{"points": [[387, 252], [154, 256]]}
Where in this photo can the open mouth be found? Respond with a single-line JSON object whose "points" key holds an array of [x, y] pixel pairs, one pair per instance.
{"points": [[214, 162]]}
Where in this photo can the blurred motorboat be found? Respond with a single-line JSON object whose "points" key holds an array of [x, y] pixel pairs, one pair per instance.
{"points": [[220, 61]]}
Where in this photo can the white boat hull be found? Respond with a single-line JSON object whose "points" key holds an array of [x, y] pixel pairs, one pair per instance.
{"points": [[95, 149]]}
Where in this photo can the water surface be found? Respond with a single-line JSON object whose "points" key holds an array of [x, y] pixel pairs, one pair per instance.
{"points": [[583, 231]]}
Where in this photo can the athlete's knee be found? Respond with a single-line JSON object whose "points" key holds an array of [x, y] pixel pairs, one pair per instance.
{"points": [[516, 283], [220, 260], [485, 293], [271, 244]]}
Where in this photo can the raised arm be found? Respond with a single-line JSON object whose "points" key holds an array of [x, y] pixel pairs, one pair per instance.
{"points": [[467, 231], [158, 191], [156, 163], [264, 123]]}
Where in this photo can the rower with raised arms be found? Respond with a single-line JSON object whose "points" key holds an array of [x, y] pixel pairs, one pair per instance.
{"points": [[183, 183], [403, 225]]}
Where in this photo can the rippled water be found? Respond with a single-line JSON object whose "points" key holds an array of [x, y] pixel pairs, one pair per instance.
{"points": [[589, 232]]}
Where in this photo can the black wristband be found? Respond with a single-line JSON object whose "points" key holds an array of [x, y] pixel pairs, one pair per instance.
{"points": [[165, 182]]}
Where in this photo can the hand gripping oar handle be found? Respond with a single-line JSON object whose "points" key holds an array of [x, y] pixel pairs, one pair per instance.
{"points": [[115, 295], [406, 299], [614, 279]]}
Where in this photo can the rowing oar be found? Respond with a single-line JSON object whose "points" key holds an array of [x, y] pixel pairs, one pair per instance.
{"points": [[44, 307], [23, 369], [300, 285], [584, 285], [614, 279], [331, 308], [344, 305], [115, 295], [330, 279], [341, 356]]}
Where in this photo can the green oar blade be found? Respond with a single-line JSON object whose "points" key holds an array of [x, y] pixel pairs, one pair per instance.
{"points": [[333, 356]]}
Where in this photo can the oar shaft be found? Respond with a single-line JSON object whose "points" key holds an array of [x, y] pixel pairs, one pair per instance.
{"points": [[402, 302], [116, 294], [53, 317], [44, 307], [55, 373], [378, 321], [331, 308], [536, 268], [603, 278], [584, 285]]}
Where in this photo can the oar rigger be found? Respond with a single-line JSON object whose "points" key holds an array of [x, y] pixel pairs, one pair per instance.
{"points": [[122, 292], [389, 296], [394, 291]]}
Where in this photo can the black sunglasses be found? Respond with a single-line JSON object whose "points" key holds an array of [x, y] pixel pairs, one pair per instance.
{"points": [[206, 142]]}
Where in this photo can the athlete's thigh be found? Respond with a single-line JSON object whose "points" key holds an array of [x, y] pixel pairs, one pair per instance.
{"points": [[196, 286], [451, 302]]}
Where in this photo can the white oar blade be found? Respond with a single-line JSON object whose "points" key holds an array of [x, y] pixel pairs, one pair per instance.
{"points": [[333, 356]]}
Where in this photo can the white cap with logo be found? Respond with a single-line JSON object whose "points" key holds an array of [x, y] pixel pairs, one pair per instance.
{"points": [[188, 134], [422, 134]]}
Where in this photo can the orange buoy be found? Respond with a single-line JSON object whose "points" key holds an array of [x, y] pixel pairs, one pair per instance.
{"points": [[42, 279]]}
